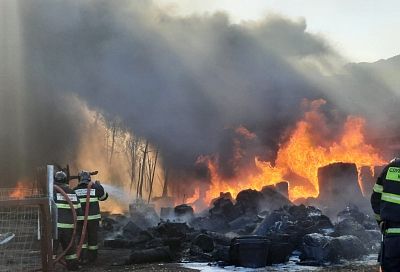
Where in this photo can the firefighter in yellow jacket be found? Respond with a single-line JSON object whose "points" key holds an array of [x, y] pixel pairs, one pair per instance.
{"points": [[97, 193], [65, 223], [385, 201]]}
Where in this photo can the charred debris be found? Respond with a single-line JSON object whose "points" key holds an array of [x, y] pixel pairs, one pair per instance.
{"points": [[265, 223]]}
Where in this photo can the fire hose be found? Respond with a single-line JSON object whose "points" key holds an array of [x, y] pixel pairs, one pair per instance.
{"points": [[62, 192], [74, 216], [85, 220]]}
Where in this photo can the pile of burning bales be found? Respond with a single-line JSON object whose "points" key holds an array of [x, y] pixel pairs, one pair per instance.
{"points": [[263, 222]]}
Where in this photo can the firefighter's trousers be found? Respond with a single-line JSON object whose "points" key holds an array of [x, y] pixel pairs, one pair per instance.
{"points": [[64, 238], [391, 253], [90, 244]]}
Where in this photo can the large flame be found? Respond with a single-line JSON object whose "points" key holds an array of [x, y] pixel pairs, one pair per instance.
{"points": [[301, 155]]}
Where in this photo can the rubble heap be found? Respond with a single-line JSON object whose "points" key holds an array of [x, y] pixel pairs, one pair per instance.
{"points": [[252, 219]]}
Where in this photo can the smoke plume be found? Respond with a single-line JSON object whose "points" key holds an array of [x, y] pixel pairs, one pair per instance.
{"points": [[184, 83]]}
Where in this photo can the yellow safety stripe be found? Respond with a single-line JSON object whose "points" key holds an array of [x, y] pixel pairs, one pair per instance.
{"points": [[393, 198], [65, 226], [84, 245], [393, 231], [393, 174], [92, 199], [71, 257], [378, 188], [67, 206], [90, 217], [378, 217], [93, 247]]}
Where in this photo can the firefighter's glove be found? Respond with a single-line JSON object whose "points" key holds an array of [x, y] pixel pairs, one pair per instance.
{"points": [[382, 226]]}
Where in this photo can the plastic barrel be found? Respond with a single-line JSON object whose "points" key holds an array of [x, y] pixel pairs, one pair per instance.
{"points": [[249, 251]]}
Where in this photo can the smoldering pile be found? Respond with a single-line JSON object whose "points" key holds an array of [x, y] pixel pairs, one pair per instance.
{"points": [[263, 222]]}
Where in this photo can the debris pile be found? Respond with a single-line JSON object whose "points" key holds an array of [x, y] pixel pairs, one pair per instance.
{"points": [[264, 222], [354, 235]]}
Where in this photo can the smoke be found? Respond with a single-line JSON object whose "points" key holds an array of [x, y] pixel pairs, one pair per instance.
{"points": [[37, 126], [184, 83]]}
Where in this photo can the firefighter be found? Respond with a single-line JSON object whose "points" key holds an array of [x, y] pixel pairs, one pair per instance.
{"points": [[65, 222], [97, 193], [385, 201]]}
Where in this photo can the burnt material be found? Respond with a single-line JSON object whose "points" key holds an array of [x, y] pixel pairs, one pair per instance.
{"points": [[158, 254], [316, 248], [204, 242], [338, 186], [248, 201], [321, 249], [184, 211], [131, 230], [275, 238], [296, 220], [223, 206], [172, 229]]}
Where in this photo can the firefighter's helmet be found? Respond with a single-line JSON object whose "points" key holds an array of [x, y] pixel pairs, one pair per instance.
{"points": [[395, 159], [60, 177], [84, 177]]}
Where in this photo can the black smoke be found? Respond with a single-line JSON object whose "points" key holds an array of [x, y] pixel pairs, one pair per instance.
{"points": [[181, 81]]}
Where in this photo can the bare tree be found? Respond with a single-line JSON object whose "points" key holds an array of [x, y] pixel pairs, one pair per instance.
{"points": [[142, 172], [153, 171], [132, 145], [142, 165], [115, 132], [165, 186]]}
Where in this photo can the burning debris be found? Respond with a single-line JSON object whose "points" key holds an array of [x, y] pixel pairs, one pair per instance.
{"points": [[301, 159], [232, 228]]}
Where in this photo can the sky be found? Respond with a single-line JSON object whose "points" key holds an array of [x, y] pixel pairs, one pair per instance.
{"points": [[361, 30]]}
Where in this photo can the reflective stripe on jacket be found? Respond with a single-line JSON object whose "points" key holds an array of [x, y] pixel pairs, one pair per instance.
{"points": [[385, 199], [97, 194], [65, 219]]}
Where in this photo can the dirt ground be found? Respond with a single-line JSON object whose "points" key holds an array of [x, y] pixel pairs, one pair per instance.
{"points": [[111, 260]]}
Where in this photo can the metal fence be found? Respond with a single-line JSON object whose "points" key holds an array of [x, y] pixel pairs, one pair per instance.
{"points": [[19, 242], [25, 230]]}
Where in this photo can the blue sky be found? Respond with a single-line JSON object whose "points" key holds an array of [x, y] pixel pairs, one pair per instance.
{"points": [[361, 30]]}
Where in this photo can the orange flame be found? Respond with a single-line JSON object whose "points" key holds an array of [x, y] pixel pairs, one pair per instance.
{"points": [[195, 197], [301, 155], [20, 191]]}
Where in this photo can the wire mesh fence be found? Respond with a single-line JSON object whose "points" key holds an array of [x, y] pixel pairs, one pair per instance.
{"points": [[25, 230], [20, 233]]}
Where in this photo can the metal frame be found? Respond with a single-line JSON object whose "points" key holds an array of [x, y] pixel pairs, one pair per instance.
{"points": [[46, 231]]}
